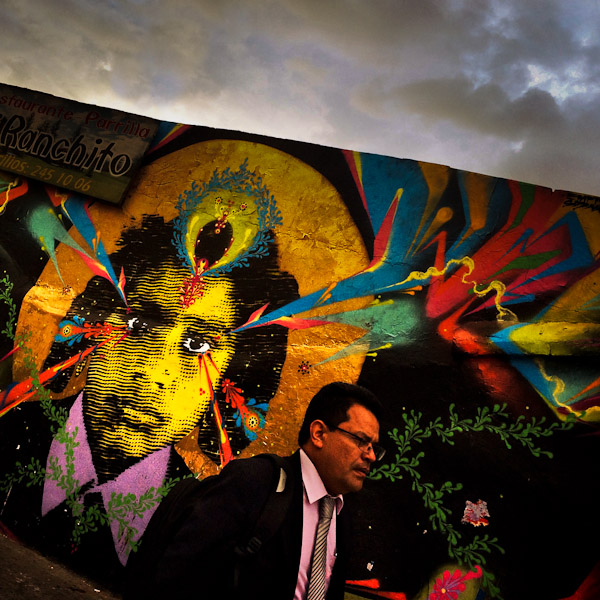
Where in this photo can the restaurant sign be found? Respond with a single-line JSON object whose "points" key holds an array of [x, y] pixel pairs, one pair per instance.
{"points": [[87, 149]]}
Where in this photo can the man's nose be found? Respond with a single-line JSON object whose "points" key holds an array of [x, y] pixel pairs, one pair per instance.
{"points": [[370, 453]]}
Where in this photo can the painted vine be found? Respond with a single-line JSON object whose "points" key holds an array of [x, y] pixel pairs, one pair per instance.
{"points": [[408, 459]]}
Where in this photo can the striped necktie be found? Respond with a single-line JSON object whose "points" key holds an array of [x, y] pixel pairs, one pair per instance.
{"points": [[316, 584]]}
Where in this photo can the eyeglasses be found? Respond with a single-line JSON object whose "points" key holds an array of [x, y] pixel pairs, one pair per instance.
{"points": [[363, 444]]}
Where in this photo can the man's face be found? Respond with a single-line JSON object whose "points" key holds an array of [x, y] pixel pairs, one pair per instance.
{"points": [[152, 388], [343, 466]]}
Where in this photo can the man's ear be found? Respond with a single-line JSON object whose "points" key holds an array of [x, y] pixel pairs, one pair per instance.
{"points": [[318, 429]]}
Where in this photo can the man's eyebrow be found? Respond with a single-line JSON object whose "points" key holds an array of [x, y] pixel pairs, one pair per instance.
{"points": [[366, 437]]}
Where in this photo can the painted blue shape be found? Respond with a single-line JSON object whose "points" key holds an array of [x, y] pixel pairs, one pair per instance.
{"points": [[580, 251], [580, 257], [517, 299], [525, 236], [75, 208], [163, 130], [498, 208], [382, 176], [524, 363]]}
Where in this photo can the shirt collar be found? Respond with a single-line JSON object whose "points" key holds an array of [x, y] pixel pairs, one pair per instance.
{"points": [[313, 484], [145, 475]]}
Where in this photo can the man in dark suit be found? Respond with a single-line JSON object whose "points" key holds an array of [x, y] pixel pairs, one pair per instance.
{"points": [[338, 443]]}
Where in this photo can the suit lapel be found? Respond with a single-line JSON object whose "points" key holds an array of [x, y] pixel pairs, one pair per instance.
{"points": [[291, 542]]}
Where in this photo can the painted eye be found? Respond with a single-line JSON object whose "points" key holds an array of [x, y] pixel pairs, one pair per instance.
{"points": [[135, 325], [196, 346]]}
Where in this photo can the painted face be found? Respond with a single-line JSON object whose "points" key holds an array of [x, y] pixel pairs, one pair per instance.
{"points": [[344, 466], [152, 388]]}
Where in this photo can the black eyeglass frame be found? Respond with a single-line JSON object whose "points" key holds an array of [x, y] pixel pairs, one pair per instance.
{"points": [[362, 443]]}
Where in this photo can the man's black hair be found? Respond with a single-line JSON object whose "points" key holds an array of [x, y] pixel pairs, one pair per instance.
{"points": [[331, 403]]}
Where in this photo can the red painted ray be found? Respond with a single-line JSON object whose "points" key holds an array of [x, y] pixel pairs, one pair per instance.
{"points": [[373, 586], [590, 588], [383, 237], [225, 453], [349, 155], [24, 390], [175, 132], [297, 322]]}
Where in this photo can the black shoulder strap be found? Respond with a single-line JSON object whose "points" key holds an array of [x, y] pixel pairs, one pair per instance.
{"points": [[276, 507], [271, 517]]}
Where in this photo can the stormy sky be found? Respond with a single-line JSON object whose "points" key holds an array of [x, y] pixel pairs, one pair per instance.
{"points": [[508, 88]]}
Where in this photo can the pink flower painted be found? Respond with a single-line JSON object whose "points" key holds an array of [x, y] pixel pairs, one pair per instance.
{"points": [[449, 586]]}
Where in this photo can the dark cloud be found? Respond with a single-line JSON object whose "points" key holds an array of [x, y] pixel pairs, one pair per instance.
{"points": [[504, 87], [548, 157], [486, 109]]}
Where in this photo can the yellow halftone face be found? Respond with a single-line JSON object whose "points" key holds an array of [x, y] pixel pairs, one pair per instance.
{"points": [[318, 244], [150, 390]]}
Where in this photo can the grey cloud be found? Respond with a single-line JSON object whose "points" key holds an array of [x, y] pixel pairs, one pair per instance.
{"points": [[89, 44], [486, 108], [446, 81], [564, 156]]}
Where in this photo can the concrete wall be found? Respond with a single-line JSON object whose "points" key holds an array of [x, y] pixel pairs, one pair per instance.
{"points": [[192, 324]]}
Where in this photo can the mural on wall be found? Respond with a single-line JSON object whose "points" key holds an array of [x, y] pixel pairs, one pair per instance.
{"points": [[191, 325]]}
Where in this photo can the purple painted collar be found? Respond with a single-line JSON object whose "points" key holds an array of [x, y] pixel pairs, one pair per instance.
{"points": [[138, 479]]}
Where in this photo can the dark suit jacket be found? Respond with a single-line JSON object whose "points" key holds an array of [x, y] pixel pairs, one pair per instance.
{"points": [[198, 561]]}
